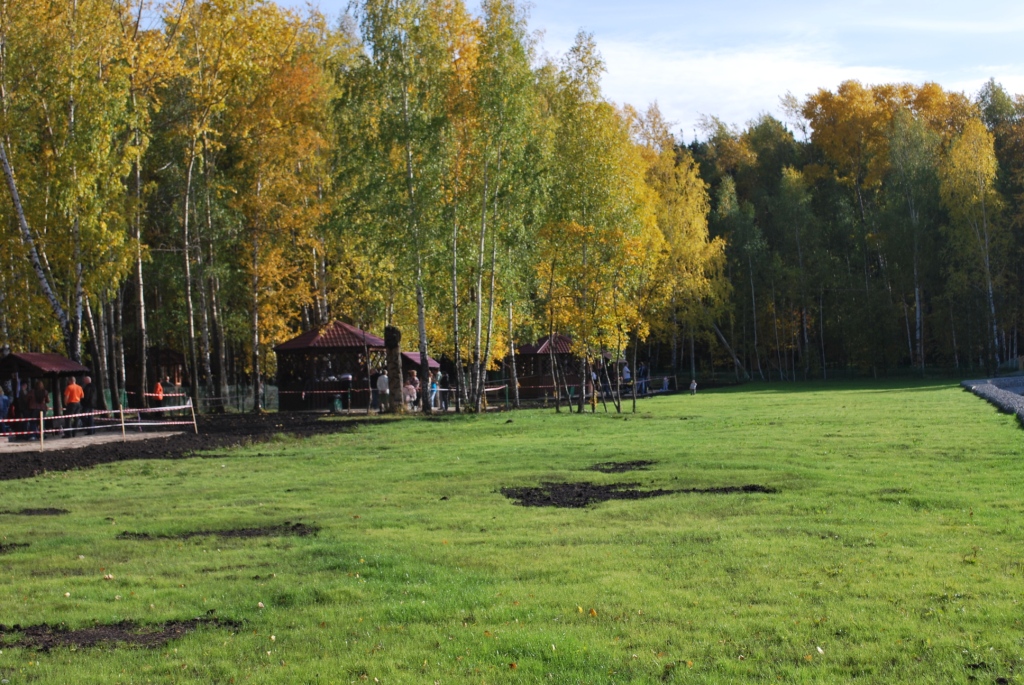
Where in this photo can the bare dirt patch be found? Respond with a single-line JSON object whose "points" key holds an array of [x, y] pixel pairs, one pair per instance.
{"points": [[43, 511], [285, 529], [729, 489], [576, 495], [215, 432], [11, 546], [622, 466], [45, 637]]}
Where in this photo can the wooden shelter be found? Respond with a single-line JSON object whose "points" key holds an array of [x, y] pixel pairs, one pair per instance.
{"points": [[327, 367], [165, 363], [534, 371], [29, 366], [411, 362]]}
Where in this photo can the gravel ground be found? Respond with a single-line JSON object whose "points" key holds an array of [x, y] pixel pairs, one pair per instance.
{"points": [[1004, 393]]}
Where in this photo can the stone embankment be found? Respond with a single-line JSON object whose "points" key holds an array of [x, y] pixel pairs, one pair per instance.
{"points": [[1004, 393]]}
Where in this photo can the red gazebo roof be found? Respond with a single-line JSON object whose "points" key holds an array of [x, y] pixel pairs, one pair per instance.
{"points": [[562, 344], [414, 358], [40, 364], [333, 337]]}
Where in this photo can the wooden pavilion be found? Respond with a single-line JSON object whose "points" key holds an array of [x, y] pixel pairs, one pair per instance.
{"points": [[33, 366], [533, 366], [411, 362], [327, 367]]}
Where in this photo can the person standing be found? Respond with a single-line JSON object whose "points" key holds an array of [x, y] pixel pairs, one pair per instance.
{"points": [[23, 408], [414, 381], [5, 407], [445, 384], [346, 391], [383, 391], [158, 397], [432, 384], [73, 395], [374, 393], [88, 405], [409, 394], [693, 387], [39, 404], [592, 391]]}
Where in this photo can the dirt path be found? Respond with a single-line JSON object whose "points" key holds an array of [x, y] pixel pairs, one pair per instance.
{"points": [[215, 432], [58, 444]]}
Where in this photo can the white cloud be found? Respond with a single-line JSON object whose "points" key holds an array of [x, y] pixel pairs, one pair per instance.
{"points": [[734, 59], [735, 86]]}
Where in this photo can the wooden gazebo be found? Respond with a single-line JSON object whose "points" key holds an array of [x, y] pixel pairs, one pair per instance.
{"points": [[327, 365], [411, 362], [533, 366], [30, 366]]}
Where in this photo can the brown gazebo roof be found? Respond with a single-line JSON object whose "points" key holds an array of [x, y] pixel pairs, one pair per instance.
{"points": [[414, 358], [562, 344], [334, 337], [40, 364]]}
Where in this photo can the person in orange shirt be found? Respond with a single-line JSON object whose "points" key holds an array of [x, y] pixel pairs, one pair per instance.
{"points": [[158, 398], [73, 395]]}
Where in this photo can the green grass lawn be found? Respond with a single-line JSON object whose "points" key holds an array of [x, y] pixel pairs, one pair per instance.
{"points": [[892, 551]]}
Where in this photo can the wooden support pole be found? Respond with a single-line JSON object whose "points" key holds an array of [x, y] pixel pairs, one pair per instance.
{"points": [[42, 431], [124, 438]]}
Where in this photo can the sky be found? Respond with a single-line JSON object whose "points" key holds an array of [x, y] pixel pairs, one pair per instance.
{"points": [[734, 58]]}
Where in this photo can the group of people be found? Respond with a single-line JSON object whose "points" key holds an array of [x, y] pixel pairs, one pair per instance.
{"points": [[22, 400], [602, 376], [605, 377], [437, 386]]}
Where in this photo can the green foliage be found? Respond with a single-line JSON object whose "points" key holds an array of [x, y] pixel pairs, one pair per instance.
{"points": [[244, 172]]}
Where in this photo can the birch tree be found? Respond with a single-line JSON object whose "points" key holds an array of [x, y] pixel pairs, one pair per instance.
{"points": [[967, 177]]}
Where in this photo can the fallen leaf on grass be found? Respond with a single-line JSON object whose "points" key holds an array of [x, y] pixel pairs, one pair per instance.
{"points": [[593, 612], [808, 657]]}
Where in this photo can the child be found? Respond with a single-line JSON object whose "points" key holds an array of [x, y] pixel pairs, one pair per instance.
{"points": [[409, 395]]}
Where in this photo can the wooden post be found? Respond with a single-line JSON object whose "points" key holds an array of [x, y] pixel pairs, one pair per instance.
{"points": [[42, 431], [124, 438], [194, 426], [393, 349]]}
